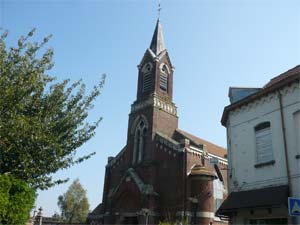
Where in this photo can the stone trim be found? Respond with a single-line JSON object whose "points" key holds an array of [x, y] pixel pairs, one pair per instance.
{"points": [[155, 101], [117, 158], [210, 155], [174, 145], [136, 121], [169, 142], [143, 188]]}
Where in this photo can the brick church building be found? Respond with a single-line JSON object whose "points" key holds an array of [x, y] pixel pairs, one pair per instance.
{"points": [[163, 173]]}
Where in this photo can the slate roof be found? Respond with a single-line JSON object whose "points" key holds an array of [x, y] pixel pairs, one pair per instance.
{"points": [[157, 43]]}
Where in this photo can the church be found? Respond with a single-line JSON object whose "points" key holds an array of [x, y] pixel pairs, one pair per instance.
{"points": [[163, 173]]}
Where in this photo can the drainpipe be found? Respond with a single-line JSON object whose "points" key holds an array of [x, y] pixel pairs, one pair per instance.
{"points": [[285, 144], [184, 183]]}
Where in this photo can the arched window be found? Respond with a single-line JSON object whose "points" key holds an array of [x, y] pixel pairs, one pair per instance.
{"points": [[263, 138], [164, 78], [147, 78], [139, 141]]}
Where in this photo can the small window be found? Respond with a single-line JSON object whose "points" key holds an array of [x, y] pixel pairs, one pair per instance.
{"points": [[263, 138]]}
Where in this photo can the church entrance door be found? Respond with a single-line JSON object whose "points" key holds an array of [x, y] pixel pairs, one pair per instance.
{"points": [[130, 220]]}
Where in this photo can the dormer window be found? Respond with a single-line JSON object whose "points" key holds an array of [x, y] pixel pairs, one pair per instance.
{"points": [[164, 78]]}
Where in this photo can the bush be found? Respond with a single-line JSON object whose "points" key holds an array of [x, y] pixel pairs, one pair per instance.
{"points": [[16, 200]]}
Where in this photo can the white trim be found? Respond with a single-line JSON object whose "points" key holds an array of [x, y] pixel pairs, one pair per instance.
{"points": [[206, 214], [203, 214], [197, 150]]}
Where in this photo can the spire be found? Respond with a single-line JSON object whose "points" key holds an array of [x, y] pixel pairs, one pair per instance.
{"points": [[157, 43]]}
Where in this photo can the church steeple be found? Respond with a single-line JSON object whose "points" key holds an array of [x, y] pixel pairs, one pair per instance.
{"points": [[157, 43], [155, 69], [153, 110]]}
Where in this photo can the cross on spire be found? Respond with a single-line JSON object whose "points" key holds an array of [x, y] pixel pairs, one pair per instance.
{"points": [[159, 9]]}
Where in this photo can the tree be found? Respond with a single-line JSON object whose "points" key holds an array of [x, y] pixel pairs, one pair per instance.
{"points": [[74, 204], [16, 200], [42, 122]]}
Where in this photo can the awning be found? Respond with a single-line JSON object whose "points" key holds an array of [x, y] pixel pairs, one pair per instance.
{"points": [[270, 197]]}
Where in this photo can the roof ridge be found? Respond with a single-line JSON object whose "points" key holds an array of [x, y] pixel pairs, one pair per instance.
{"points": [[293, 71], [179, 130]]}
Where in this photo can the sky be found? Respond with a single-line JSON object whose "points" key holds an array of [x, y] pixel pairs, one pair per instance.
{"points": [[213, 44]]}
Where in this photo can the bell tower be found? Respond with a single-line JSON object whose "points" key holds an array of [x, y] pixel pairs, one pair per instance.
{"points": [[154, 110], [156, 69]]}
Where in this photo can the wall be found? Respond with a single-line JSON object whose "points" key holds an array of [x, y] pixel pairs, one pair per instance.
{"points": [[241, 142]]}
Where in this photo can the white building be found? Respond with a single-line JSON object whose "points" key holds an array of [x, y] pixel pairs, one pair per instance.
{"points": [[263, 151]]}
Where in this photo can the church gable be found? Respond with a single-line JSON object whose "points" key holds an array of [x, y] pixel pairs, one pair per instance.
{"points": [[132, 176]]}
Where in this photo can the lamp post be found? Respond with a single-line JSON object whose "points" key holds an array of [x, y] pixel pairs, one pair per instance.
{"points": [[145, 212]]}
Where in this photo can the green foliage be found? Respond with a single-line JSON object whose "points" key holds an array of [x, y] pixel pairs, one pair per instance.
{"points": [[42, 122], [16, 200], [164, 223], [185, 222], [74, 204]]}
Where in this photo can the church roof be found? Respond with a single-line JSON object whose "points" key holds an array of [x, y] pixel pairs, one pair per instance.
{"points": [[157, 43], [98, 210], [211, 148], [97, 213]]}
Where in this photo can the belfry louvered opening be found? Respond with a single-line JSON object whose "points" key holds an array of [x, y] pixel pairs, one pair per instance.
{"points": [[164, 82], [147, 82]]}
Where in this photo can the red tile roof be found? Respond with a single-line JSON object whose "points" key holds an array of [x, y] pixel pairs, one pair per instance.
{"points": [[211, 148]]}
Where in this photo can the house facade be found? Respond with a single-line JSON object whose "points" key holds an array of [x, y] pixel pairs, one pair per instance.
{"points": [[263, 151], [163, 173]]}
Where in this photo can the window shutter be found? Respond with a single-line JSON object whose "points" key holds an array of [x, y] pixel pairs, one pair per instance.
{"points": [[264, 149], [164, 82], [147, 82]]}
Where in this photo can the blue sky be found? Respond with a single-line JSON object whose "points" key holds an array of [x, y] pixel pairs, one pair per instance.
{"points": [[213, 44]]}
